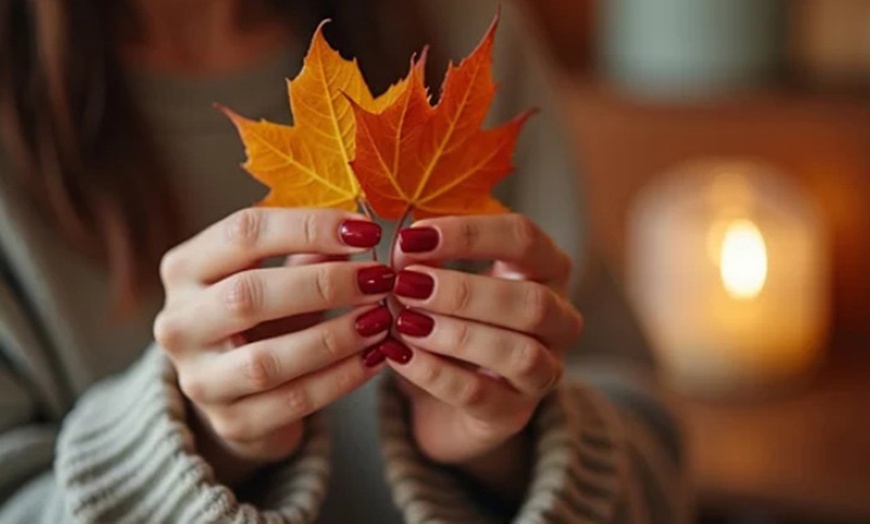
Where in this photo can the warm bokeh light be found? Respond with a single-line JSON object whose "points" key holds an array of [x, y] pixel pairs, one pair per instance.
{"points": [[743, 260]]}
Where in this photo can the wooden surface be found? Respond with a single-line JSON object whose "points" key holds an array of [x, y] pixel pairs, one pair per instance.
{"points": [[823, 142], [805, 455]]}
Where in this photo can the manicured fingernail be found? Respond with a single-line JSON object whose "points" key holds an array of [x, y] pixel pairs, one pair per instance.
{"points": [[410, 322], [374, 321], [376, 279], [372, 357], [412, 284], [395, 351], [418, 239], [359, 233]]}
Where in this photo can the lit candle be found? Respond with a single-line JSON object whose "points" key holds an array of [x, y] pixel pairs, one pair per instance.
{"points": [[727, 266], [743, 260]]}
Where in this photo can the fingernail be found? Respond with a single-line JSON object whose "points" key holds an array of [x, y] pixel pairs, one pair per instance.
{"points": [[374, 321], [412, 284], [418, 239], [372, 357], [359, 233], [395, 351], [376, 279], [413, 323]]}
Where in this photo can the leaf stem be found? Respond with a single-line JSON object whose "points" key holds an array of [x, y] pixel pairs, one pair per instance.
{"points": [[399, 225], [365, 208], [367, 211]]}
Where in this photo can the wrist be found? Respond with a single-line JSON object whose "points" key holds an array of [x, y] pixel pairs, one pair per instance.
{"points": [[503, 472], [230, 467]]}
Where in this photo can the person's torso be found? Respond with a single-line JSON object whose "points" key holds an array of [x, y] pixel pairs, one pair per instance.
{"points": [[69, 294]]}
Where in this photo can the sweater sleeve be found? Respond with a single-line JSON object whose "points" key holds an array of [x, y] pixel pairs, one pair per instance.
{"points": [[125, 454], [594, 461]]}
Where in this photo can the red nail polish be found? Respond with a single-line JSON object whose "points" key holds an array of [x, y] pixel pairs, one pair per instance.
{"points": [[359, 233], [412, 284], [376, 279], [415, 324], [418, 239], [374, 321], [372, 357], [395, 351]]}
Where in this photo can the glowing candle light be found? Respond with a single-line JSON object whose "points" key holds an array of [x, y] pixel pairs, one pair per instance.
{"points": [[728, 269], [743, 262]]}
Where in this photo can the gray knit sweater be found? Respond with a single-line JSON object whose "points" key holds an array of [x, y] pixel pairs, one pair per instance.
{"points": [[93, 427]]}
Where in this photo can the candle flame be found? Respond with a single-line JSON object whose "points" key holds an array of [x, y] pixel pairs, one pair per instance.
{"points": [[743, 260]]}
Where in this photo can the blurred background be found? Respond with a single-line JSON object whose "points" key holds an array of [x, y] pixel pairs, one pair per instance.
{"points": [[726, 150]]}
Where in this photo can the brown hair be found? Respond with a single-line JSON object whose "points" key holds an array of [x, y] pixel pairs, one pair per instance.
{"points": [[83, 153]]}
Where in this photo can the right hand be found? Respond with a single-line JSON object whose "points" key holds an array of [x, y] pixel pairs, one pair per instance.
{"points": [[251, 395]]}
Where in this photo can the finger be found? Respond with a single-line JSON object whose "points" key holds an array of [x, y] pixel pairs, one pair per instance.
{"points": [[268, 364], [247, 299], [526, 307], [521, 360], [253, 234], [256, 416], [514, 240], [478, 394]]}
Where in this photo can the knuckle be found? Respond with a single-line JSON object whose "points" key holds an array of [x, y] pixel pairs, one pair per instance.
{"points": [[243, 295], [528, 358], [168, 332], [331, 343], [192, 387], [298, 402], [461, 336], [430, 374], [470, 234], [171, 266], [310, 232], [558, 371], [260, 368], [348, 379], [538, 305], [461, 295], [470, 393], [525, 233], [325, 286], [243, 228]]}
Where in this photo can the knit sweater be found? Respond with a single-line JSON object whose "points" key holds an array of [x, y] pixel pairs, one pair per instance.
{"points": [[93, 426]]}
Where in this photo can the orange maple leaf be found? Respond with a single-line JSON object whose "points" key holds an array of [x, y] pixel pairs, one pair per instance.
{"points": [[436, 160], [308, 164]]}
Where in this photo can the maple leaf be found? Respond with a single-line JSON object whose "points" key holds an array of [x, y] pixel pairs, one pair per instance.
{"points": [[308, 164], [436, 160]]}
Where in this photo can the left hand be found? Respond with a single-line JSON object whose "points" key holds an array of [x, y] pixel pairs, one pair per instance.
{"points": [[479, 352]]}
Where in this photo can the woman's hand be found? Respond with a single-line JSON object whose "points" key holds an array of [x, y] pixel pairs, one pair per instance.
{"points": [[250, 386], [484, 349]]}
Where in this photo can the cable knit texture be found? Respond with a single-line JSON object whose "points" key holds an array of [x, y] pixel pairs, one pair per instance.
{"points": [[125, 454], [581, 469]]}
